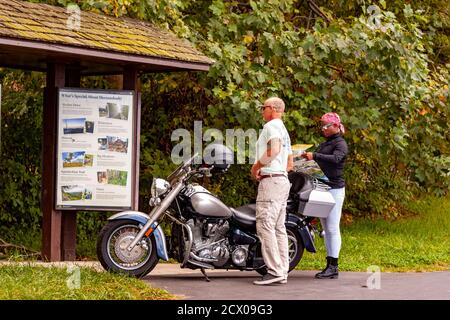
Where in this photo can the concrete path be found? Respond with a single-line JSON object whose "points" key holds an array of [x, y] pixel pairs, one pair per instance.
{"points": [[238, 285]]}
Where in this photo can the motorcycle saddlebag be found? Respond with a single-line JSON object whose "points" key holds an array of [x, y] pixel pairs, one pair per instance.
{"points": [[319, 204]]}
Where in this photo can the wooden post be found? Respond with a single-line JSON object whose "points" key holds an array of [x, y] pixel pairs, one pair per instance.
{"points": [[69, 217], [68, 235], [51, 219], [58, 227], [131, 82]]}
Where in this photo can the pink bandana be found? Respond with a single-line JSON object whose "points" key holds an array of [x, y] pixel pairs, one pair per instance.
{"points": [[332, 117]]}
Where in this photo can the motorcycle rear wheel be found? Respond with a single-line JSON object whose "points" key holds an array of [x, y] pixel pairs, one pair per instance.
{"points": [[295, 248], [112, 242]]}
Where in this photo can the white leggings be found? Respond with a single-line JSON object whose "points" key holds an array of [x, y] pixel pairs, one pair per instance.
{"points": [[331, 224]]}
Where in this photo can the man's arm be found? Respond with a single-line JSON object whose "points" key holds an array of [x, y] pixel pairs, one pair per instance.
{"points": [[290, 163], [273, 149]]}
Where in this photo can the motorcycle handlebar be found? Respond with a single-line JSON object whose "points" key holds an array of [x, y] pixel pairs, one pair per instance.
{"points": [[186, 172]]}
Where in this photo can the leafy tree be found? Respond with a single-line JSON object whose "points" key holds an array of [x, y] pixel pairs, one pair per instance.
{"points": [[20, 163]]}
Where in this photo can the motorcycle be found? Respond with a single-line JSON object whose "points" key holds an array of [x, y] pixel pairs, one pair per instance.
{"points": [[204, 232]]}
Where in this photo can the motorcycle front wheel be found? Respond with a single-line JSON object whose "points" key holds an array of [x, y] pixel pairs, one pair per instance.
{"points": [[295, 249], [113, 254]]}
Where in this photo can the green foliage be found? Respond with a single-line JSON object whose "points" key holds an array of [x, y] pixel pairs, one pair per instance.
{"points": [[234, 187], [89, 224], [20, 162], [379, 77]]}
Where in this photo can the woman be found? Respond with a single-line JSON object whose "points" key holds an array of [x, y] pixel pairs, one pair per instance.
{"points": [[330, 156]]}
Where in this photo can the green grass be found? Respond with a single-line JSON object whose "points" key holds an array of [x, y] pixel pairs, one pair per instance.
{"points": [[415, 243], [45, 283]]}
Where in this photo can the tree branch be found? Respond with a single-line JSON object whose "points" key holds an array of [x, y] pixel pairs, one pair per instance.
{"points": [[4, 244], [314, 7]]}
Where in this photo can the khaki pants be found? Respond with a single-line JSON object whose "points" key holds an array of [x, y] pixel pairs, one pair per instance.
{"points": [[270, 217]]}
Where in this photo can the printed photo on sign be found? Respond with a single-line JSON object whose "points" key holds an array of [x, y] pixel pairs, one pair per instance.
{"points": [[114, 111], [102, 143], [88, 160], [117, 112], [89, 126], [72, 126], [87, 194], [117, 177], [117, 144], [73, 159], [102, 177], [103, 111], [72, 193], [76, 193]]}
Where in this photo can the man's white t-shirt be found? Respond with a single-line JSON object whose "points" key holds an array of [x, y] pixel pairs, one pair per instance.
{"points": [[274, 129]]}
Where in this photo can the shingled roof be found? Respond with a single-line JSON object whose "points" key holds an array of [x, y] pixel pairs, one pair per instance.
{"points": [[44, 29]]}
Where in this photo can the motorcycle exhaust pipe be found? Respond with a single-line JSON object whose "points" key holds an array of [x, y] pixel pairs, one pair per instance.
{"points": [[189, 244], [196, 257]]}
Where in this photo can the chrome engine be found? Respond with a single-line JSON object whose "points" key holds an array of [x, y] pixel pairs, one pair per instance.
{"points": [[209, 243]]}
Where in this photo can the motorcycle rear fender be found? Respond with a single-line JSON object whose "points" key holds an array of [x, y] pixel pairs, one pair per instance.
{"points": [[308, 241], [142, 218]]}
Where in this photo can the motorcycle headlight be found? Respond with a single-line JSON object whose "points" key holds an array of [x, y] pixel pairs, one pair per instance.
{"points": [[159, 187]]}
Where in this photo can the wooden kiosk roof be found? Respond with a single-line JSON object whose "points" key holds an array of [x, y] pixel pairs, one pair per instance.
{"points": [[32, 34]]}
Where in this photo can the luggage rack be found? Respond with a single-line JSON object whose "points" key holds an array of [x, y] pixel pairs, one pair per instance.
{"points": [[312, 169], [319, 185]]}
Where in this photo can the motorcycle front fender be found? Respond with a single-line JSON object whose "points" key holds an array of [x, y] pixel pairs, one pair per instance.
{"points": [[308, 241], [142, 218]]}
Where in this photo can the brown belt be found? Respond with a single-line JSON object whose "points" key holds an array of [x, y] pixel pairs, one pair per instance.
{"points": [[272, 176]]}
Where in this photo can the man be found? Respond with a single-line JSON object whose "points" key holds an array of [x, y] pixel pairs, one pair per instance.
{"points": [[273, 160]]}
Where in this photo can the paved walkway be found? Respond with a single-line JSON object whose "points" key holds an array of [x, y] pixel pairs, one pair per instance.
{"points": [[238, 285]]}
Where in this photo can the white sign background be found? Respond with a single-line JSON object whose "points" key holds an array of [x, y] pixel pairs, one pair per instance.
{"points": [[94, 149]]}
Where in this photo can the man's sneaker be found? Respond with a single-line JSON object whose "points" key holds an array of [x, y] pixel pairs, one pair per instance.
{"points": [[268, 279], [284, 281]]}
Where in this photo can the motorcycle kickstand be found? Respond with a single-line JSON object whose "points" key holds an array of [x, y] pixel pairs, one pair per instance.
{"points": [[204, 273]]}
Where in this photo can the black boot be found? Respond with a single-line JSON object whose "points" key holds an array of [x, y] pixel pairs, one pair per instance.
{"points": [[331, 271]]}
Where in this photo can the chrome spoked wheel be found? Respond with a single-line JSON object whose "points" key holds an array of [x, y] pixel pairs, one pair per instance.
{"points": [[292, 245], [117, 248], [112, 249], [295, 247]]}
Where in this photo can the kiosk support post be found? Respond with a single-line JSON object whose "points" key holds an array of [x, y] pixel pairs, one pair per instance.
{"points": [[59, 228]]}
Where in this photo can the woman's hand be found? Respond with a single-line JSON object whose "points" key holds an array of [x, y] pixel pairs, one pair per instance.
{"points": [[307, 155]]}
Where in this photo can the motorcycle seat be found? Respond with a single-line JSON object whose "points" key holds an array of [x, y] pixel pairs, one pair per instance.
{"points": [[245, 216], [301, 185]]}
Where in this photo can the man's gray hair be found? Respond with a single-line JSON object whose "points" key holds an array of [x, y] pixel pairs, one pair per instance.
{"points": [[276, 103]]}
